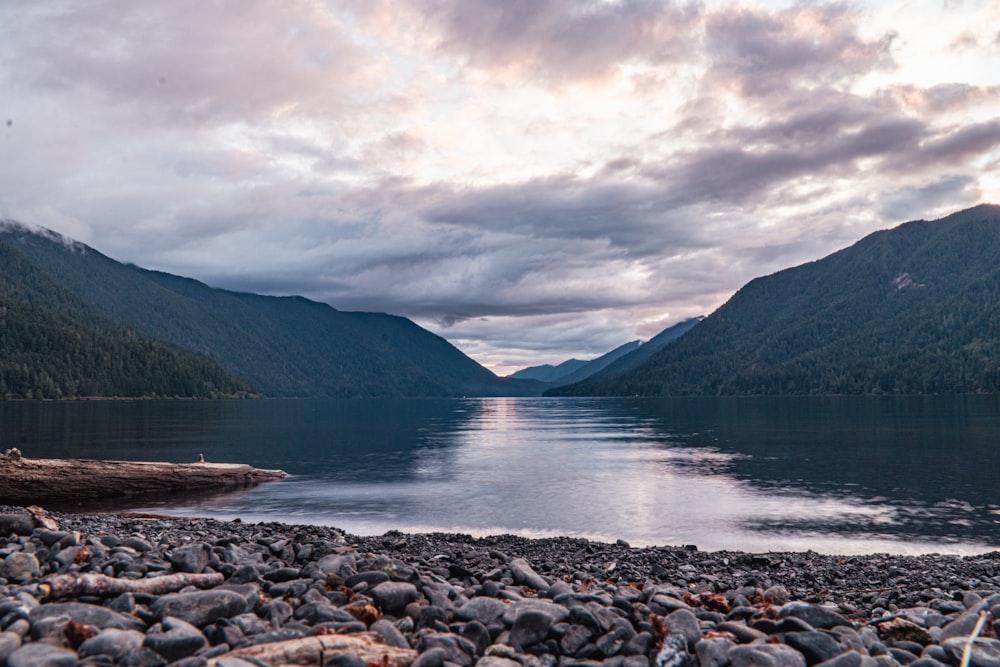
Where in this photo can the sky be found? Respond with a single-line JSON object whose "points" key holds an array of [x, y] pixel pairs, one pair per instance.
{"points": [[534, 180]]}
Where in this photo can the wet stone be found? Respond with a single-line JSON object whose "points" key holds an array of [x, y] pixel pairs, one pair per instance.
{"points": [[848, 659], [191, 557], [9, 642], [19, 567], [743, 633], [41, 655], [393, 596], [478, 634], [88, 614], [454, 649], [984, 652], [766, 655], [525, 575], [813, 614], [175, 639], [137, 544], [714, 652], [199, 608], [530, 626], [815, 646], [112, 642], [927, 662], [575, 638], [960, 627], [902, 656], [493, 661], [556, 613], [686, 624]]}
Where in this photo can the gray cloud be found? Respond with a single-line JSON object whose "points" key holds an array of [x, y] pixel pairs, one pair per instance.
{"points": [[910, 203], [561, 40], [185, 62], [811, 45]]}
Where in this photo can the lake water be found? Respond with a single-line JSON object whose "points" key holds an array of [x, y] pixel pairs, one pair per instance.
{"points": [[835, 474]]}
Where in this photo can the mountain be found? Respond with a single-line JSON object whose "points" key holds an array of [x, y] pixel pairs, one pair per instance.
{"points": [[53, 346], [548, 372], [574, 370], [283, 346], [622, 358], [914, 309], [645, 351]]}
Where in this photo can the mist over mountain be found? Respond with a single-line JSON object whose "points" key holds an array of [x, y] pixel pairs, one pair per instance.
{"points": [[913, 309], [282, 346]]}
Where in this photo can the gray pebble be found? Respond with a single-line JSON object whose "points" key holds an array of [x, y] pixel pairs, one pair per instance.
{"points": [[41, 655], [112, 642], [199, 608], [20, 567], [393, 596], [766, 655], [530, 626]]}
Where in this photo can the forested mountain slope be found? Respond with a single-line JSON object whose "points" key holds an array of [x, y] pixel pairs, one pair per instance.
{"points": [[53, 346], [914, 309], [283, 346]]}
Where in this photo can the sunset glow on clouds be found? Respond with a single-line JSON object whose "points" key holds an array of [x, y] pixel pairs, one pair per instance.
{"points": [[532, 179]]}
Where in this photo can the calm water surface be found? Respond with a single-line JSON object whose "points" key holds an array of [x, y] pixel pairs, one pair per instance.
{"points": [[836, 475]]}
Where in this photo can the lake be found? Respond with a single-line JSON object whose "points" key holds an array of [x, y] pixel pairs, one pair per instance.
{"points": [[831, 474]]}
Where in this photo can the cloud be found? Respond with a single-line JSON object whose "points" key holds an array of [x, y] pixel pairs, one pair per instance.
{"points": [[759, 53], [187, 62], [535, 180], [913, 202], [942, 98], [556, 41]]}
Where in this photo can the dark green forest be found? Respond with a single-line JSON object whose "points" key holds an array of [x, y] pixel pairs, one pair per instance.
{"points": [[911, 310], [282, 346], [51, 356], [52, 345]]}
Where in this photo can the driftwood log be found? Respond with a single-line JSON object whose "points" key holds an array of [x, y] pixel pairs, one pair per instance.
{"points": [[73, 585], [319, 649], [27, 481]]}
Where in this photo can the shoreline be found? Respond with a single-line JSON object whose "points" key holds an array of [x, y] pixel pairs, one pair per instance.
{"points": [[899, 546], [497, 601]]}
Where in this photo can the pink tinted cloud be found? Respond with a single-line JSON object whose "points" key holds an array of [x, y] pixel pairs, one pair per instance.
{"points": [[551, 41], [759, 52], [191, 61]]}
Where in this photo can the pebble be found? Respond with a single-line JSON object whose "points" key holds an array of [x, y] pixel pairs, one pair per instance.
{"points": [[501, 601]]}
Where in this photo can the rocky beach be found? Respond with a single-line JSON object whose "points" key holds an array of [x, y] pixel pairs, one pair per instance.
{"points": [[148, 590]]}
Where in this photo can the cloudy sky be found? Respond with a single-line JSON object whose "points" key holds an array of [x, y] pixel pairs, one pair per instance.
{"points": [[532, 179]]}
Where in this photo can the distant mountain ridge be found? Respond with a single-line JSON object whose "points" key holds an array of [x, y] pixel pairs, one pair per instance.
{"points": [[282, 346], [913, 309], [619, 360], [574, 370]]}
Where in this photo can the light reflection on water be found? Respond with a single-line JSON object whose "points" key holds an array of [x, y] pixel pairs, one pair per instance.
{"points": [[722, 475]]}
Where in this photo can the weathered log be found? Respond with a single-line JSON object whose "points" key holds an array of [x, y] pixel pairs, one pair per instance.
{"points": [[319, 649], [71, 585], [24, 481]]}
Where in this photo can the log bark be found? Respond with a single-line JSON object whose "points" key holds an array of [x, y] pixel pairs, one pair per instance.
{"points": [[317, 650], [71, 585], [35, 481]]}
